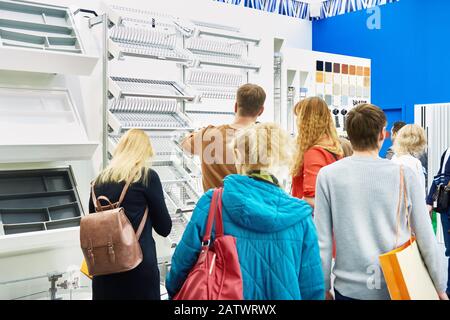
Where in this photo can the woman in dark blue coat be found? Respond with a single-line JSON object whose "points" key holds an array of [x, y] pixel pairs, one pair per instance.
{"points": [[131, 154]]}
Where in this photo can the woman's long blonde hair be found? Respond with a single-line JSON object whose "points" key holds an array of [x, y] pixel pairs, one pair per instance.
{"points": [[129, 159], [315, 127]]}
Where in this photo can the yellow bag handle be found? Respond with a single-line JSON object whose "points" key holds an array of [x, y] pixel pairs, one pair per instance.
{"points": [[84, 269]]}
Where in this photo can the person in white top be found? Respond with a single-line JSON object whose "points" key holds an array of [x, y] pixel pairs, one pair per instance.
{"points": [[409, 144]]}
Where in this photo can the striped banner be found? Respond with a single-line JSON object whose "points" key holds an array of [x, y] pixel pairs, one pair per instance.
{"points": [[299, 9], [333, 8]]}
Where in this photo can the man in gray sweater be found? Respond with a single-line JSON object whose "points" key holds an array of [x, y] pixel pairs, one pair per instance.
{"points": [[356, 200]]}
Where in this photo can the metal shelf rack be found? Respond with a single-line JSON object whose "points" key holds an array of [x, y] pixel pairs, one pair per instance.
{"points": [[147, 114], [121, 87], [123, 47], [154, 105], [216, 30]]}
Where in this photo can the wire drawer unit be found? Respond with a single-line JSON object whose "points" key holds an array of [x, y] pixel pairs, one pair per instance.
{"points": [[131, 87], [156, 106]]}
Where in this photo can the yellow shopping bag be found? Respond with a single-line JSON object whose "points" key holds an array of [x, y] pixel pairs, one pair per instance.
{"points": [[406, 275], [84, 269]]}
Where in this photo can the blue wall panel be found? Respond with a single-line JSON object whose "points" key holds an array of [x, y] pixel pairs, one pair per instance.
{"points": [[410, 52]]}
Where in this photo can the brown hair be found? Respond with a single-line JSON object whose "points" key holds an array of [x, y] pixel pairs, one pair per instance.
{"points": [[397, 126], [250, 98], [364, 124], [346, 146], [315, 126]]}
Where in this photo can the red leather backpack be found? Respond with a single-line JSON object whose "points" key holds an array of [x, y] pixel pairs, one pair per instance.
{"points": [[217, 273]]}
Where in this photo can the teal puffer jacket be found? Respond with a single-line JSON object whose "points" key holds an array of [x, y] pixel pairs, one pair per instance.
{"points": [[276, 241]]}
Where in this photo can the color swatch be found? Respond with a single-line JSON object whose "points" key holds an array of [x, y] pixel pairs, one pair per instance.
{"points": [[319, 65], [339, 83], [359, 71], [319, 77], [336, 67], [345, 69]]}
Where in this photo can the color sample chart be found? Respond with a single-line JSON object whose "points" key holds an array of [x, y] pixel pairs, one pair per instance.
{"points": [[341, 84]]}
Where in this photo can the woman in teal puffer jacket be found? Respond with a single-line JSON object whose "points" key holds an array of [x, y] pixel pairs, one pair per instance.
{"points": [[275, 235]]}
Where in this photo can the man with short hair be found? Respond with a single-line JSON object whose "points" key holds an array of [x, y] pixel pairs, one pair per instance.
{"points": [[211, 143], [356, 200]]}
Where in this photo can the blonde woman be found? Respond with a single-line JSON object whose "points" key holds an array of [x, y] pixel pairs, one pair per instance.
{"points": [[409, 145], [275, 235], [317, 146], [130, 162]]}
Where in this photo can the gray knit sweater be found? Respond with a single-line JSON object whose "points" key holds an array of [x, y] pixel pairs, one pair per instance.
{"points": [[356, 198]]}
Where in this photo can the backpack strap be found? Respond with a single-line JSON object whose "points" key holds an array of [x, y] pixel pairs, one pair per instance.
{"points": [[142, 224], [96, 200], [124, 190], [215, 212], [99, 207]]}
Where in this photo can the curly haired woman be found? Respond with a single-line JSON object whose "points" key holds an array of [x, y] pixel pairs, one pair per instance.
{"points": [[317, 146]]}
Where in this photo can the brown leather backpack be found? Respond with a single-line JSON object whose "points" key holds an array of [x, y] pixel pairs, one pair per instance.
{"points": [[107, 238]]}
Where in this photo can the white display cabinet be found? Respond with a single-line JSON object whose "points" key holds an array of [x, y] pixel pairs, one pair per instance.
{"points": [[38, 125], [42, 138], [342, 81], [40, 211], [41, 38]]}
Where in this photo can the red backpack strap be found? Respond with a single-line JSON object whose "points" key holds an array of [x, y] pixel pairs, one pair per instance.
{"points": [[214, 207]]}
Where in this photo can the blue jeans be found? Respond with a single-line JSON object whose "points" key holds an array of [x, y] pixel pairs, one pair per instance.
{"points": [[446, 228]]}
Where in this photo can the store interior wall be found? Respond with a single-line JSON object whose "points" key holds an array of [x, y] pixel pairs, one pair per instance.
{"points": [[409, 53], [87, 94], [87, 91]]}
